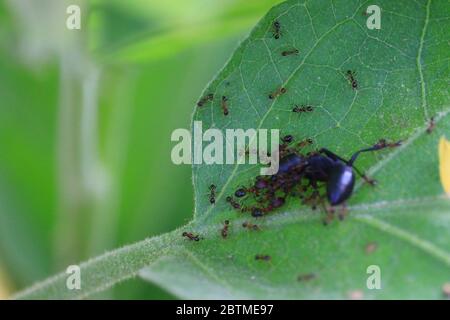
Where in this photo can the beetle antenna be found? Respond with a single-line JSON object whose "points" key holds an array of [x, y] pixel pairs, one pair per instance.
{"points": [[382, 144]]}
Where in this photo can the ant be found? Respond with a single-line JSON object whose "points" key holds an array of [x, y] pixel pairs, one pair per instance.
{"points": [[263, 257], [276, 29], [431, 125], [306, 277], [306, 142], [289, 52], [233, 203], [212, 195], [277, 93], [302, 108], [250, 226], [224, 105], [287, 139], [371, 247], [224, 231], [351, 75], [205, 99], [191, 236]]}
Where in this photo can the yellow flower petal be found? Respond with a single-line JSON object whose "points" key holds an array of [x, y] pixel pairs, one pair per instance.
{"points": [[444, 164]]}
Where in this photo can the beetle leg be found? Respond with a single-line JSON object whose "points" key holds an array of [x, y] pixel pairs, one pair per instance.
{"points": [[332, 155], [370, 181]]}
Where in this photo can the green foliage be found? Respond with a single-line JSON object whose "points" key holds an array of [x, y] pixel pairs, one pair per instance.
{"points": [[403, 73]]}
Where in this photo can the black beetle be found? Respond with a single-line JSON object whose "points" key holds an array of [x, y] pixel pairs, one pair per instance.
{"points": [[338, 172]]}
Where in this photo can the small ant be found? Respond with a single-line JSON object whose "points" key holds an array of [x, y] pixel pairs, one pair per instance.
{"points": [[263, 257], [287, 139], [382, 143], [257, 213], [212, 195], [276, 29], [351, 77], [431, 125], [233, 203], [224, 231], [306, 277], [302, 108], [205, 99], [277, 93], [306, 142], [289, 52], [191, 236], [224, 105], [371, 247], [250, 226], [240, 192]]}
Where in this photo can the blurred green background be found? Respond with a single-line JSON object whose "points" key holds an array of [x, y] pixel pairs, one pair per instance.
{"points": [[85, 123]]}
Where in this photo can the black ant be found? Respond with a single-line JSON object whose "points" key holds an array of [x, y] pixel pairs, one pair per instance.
{"points": [[289, 52], [205, 99], [302, 108], [276, 29], [351, 75], [240, 192], [224, 231], [287, 139], [263, 257], [250, 226], [212, 195], [305, 143], [431, 125], [233, 203], [224, 105], [277, 93], [191, 236], [306, 277]]}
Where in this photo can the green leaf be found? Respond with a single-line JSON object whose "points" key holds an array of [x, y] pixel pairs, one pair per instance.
{"points": [[401, 225]]}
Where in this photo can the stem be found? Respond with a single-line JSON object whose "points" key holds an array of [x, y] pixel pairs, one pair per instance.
{"points": [[106, 270]]}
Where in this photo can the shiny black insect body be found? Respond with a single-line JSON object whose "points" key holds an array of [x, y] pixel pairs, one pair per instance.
{"points": [[336, 172], [302, 176]]}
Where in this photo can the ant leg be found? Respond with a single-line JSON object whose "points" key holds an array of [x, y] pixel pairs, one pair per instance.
{"points": [[343, 212], [330, 213]]}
